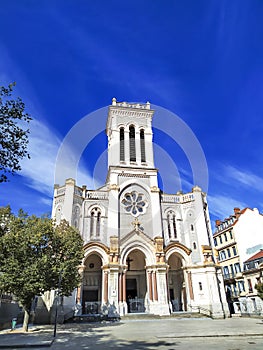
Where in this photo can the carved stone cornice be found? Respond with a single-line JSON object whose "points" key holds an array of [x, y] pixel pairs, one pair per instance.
{"points": [[155, 189], [114, 187]]}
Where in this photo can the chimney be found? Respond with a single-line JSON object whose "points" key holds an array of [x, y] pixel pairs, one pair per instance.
{"points": [[218, 222], [237, 212]]}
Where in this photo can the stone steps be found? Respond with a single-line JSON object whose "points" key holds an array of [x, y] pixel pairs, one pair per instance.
{"points": [[92, 318], [133, 316], [182, 314]]}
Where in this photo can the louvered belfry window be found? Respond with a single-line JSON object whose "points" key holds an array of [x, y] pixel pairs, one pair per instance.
{"points": [[122, 154], [132, 144], [143, 157]]}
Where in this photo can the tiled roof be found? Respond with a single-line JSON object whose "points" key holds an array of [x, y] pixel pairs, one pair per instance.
{"points": [[256, 256]]}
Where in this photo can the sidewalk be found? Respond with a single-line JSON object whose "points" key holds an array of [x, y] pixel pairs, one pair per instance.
{"points": [[144, 333], [36, 337]]}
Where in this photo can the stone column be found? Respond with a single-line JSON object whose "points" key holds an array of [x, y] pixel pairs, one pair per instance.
{"points": [[154, 283], [149, 277], [124, 286], [105, 286], [120, 287], [190, 285]]}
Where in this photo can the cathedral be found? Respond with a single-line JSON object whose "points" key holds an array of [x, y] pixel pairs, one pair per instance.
{"points": [[145, 251]]}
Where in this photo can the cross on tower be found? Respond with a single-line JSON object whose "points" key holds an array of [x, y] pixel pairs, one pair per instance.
{"points": [[136, 224]]}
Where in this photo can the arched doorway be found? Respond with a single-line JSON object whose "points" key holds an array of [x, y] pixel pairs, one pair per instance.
{"points": [[176, 283], [136, 281], [92, 285]]}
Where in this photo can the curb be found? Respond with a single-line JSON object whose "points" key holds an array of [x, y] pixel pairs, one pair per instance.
{"points": [[39, 344], [211, 336]]}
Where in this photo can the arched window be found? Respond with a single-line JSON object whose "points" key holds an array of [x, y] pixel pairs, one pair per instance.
{"points": [[132, 144], [171, 224], [122, 149], [174, 227], [95, 223], [142, 142], [91, 223], [169, 228], [98, 225]]}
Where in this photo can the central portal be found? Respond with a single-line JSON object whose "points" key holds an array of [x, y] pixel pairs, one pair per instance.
{"points": [[136, 282]]}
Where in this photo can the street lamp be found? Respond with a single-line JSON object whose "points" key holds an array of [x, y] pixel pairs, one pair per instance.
{"points": [[57, 297]]}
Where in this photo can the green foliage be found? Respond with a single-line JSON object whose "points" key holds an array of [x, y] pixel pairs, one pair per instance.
{"points": [[259, 288], [13, 137], [34, 254]]}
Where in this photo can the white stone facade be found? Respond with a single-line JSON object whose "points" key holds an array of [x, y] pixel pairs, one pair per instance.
{"points": [[145, 251]]}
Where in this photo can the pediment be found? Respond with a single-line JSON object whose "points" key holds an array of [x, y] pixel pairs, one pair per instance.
{"points": [[138, 235]]}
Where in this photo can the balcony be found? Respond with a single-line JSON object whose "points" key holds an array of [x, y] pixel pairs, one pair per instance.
{"points": [[229, 276]]}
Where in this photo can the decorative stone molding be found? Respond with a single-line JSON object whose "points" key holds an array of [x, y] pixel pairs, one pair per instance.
{"points": [[131, 113], [146, 105], [114, 244], [196, 189], [98, 244], [114, 187], [134, 175], [178, 245], [70, 181], [171, 198], [97, 195], [207, 253], [158, 244], [155, 189]]}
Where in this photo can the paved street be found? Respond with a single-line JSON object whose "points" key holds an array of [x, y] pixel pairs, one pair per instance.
{"points": [[169, 334]]}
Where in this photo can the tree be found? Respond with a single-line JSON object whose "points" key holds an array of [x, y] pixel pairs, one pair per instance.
{"points": [[34, 253], [259, 288], [13, 137]]}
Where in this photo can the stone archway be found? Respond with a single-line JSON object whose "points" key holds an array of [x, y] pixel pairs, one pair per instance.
{"points": [[176, 285], [92, 285], [136, 285]]}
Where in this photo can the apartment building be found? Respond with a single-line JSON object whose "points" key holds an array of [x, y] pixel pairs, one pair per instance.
{"points": [[253, 275], [236, 238]]}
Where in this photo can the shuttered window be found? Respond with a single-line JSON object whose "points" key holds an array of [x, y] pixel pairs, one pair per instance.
{"points": [[132, 144], [142, 141], [122, 154]]}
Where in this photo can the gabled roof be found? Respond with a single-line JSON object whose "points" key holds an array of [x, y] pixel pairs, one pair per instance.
{"points": [[256, 256]]}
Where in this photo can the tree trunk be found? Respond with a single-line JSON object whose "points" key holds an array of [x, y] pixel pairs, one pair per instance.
{"points": [[26, 318]]}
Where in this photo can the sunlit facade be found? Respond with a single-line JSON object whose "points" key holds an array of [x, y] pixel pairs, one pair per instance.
{"points": [[145, 251]]}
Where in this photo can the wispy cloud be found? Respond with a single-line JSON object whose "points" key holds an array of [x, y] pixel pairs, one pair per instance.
{"points": [[43, 148], [221, 206], [244, 177]]}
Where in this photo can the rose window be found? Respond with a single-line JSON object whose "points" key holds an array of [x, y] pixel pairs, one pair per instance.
{"points": [[134, 203]]}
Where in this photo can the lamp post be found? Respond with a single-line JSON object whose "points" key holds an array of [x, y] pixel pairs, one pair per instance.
{"points": [[57, 297]]}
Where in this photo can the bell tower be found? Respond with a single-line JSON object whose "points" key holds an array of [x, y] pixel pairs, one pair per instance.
{"points": [[129, 131]]}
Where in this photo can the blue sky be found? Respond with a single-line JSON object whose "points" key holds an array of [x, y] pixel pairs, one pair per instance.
{"points": [[201, 60]]}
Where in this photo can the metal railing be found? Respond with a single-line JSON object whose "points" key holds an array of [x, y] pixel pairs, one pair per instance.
{"points": [[91, 307], [136, 305]]}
